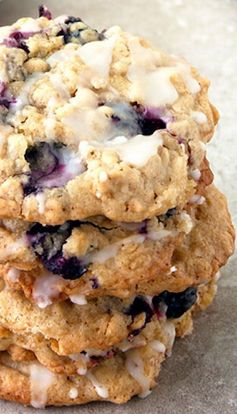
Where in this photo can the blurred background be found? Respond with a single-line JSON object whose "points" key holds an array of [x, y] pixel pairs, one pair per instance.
{"points": [[201, 377]]}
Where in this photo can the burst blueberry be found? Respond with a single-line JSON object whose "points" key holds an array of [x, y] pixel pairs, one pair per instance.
{"points": [[48, 164], [48, 241], [130, 120]]}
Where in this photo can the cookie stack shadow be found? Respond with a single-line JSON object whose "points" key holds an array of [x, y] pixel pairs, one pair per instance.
{"points": [[90, 306]]}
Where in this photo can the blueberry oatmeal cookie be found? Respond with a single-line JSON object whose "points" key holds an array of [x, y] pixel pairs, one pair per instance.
{"points": [[123, 269], [96, 124], [42, 378]]}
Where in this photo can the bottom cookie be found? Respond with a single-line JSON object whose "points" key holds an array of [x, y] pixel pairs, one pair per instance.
{"points": [[129, 373]]}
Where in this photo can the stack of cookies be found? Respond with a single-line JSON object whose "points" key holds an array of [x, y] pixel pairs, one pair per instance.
{"points": [[112, 233]]}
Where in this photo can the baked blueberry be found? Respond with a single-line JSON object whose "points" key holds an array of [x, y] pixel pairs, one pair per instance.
{"points": [[48, 241], [6, 99], [176, 303], [51, 165], [130, 120], [17, 39]]}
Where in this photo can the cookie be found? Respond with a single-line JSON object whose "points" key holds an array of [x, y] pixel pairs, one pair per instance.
{"points": [[183, 262], [152, 312], [99, 324], [129, 372], [96, 124]]}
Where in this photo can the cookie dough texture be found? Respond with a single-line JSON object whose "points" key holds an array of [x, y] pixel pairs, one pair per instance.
{"points": [[93, 96]]}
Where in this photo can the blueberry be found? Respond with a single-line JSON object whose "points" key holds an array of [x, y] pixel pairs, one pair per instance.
{"points": [[139, 305], [72, 19], [47, 243], [177, 303], [169, 213], [48, 164], [94, 283], [6, 99], [44, 12], [130, 120], [143, 227], [83, 34], [42, 159], [149, 122], [17, 40]]}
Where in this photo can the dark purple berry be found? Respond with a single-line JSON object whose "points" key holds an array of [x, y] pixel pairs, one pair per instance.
{"points": [[150, 121], [6, 99], [72, 19], [169, 213], [94, 283], [44, 12], [176, 303], [17, 40], [48, 168], [47, 243], [130, 120], [72, 34]]}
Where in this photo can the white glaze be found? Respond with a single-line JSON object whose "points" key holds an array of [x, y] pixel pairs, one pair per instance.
{"points": [[100, 389], [138, 150], [84, 119], [95, 352], [187, 223], [157, 346], [73, 393], [78, 299], [58, 84], [169, 329], [82, 371], [111, 250], [125, 345], [135, 367], [28, 25], [150, 84], [173, 269], [103, 176], [98, 56], [157, 235], [63, 54], [196, 174], [40, 198], [13, 274], [46, 288], [135, 151], [197, 199], [41, 379], [199, 117]]}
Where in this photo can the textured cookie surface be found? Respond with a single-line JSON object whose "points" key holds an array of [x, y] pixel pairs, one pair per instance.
{"points": [[96, 124], [168, 264], [129, 372]]}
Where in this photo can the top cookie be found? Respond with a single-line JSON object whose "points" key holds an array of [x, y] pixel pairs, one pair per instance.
{"points": [[96, 124]]}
